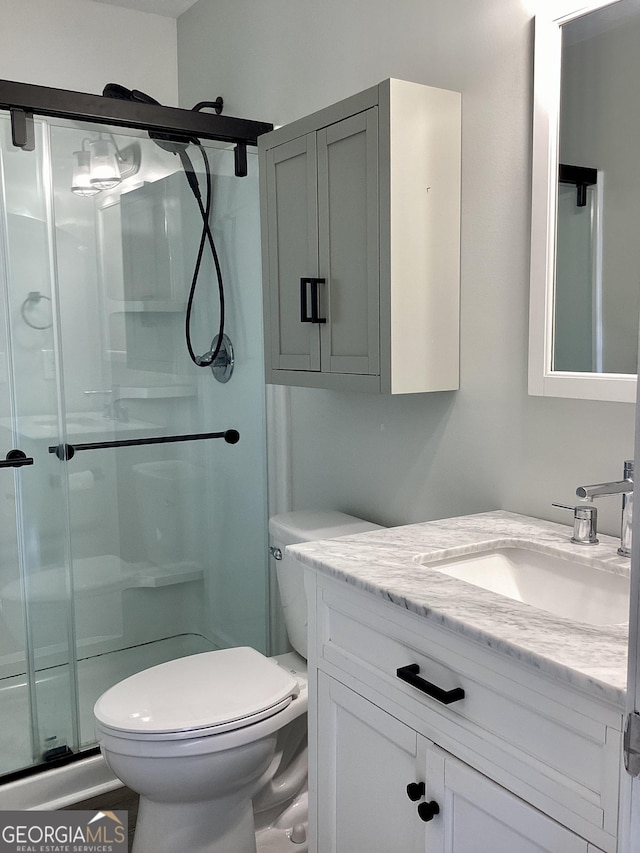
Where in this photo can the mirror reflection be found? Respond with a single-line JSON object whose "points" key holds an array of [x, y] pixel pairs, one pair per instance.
{"points": [[597, 265]]}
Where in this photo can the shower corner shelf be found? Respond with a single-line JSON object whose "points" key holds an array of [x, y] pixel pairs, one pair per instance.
{"points": [[155, 392], [153, 577], [136, 306]]}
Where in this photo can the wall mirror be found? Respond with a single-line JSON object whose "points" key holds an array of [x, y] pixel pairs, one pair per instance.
{"points": [[585, 237]]}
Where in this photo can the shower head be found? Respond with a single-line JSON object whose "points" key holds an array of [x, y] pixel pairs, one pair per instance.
{"points": [[179, 145], [121, 93], [169, 142]]}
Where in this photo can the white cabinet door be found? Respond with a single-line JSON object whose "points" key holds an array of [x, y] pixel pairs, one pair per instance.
{"points": [[366, 759], [478, 816]]}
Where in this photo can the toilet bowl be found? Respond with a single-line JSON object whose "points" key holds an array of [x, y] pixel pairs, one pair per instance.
{"points": [[212, 739], [194, 737]]}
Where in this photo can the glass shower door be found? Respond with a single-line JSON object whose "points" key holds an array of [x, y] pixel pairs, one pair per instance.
{"points": [[145, 537], [38, 690]]}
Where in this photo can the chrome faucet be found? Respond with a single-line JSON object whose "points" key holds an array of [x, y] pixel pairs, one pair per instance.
{"points": [[619, 487], [585, 524]]}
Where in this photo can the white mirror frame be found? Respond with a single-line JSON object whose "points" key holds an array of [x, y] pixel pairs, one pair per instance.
{"points": [[543, 380]]}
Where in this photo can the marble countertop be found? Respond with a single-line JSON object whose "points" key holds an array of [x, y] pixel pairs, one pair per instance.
{"points": [[383, 563]]}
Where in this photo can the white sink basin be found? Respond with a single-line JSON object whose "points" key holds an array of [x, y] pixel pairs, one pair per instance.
{"points": [[560, 586]]}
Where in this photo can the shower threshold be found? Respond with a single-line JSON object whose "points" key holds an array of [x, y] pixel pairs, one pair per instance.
{"points": [[95, 675]]}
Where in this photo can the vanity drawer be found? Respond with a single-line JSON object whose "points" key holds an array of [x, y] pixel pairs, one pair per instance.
{"points": [[551, 745]]}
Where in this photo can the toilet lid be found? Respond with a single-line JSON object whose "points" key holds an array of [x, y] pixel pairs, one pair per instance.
{"points": [[212, 689]]}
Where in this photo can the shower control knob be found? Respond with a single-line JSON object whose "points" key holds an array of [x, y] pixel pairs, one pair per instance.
{"points": [[276, 553], [427, 811], [415, 791]]}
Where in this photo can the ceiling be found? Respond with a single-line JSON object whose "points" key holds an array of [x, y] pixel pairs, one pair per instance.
{"points": [[168, 8]]}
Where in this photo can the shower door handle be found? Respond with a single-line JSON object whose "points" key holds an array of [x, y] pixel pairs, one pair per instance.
{"points": [[64, 452], [16, 459]]}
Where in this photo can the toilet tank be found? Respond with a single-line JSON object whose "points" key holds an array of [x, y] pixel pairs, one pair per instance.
{"points": [[291, 528]]}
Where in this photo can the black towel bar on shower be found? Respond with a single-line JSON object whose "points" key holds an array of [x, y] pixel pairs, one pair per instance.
{"points": [[68, 451]]}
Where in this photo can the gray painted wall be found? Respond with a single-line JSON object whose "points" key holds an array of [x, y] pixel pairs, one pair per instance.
{"points": [[489, 445]]}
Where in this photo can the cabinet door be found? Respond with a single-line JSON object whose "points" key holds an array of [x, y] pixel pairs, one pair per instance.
{"points": [[292, 246], [348, 221], [366, 758], [478, 816]]}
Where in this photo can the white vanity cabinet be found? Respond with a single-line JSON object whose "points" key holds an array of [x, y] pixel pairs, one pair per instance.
{"points": [[360, 208], [370, 761], [518, 764]]}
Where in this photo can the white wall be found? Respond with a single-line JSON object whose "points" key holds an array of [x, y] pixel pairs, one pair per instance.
{"points": [[488, 445], [81, 45]]}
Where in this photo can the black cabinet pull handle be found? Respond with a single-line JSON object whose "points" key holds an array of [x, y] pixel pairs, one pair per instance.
{"points": [[410, 674], [427, 811], [314, 317], [16, 459], [415, 791], [304, 310]]}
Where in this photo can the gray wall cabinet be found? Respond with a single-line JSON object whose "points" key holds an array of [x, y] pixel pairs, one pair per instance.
{"points": [[360, 211]]}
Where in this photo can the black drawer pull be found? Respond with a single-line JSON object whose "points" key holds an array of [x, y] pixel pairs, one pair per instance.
{"points": [[410, 674]]}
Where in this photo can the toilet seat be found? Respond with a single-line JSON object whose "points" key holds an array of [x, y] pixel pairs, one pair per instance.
{"points": [[197, 696]]}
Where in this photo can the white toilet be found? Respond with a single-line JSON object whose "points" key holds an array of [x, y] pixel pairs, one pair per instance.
{"points": [[201, 738]]}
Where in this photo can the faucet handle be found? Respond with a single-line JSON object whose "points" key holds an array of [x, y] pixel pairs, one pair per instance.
{"points": [[585, 524]]}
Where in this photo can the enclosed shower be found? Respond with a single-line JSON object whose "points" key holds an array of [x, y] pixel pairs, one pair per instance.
{"points": [[132, 480]]}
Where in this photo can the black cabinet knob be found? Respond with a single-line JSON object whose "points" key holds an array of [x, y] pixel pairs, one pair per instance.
{"points": [[427, 811], [415, 790]]}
